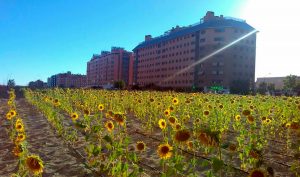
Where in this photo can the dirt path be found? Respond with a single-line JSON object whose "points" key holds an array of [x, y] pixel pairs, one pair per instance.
{"points": [[8, 162], [58, 159]]}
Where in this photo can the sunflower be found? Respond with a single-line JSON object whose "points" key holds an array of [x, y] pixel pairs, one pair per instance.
{"points": [[55, 101], [13, 113], [34, 164], [110, 113], [177, 126], [197, 121], [295, 125], [237, 117], [19, 127], [172, 120], [250, 119], [151, 100], [101, 107], [246, 112], [74, 116], [208, 139], [109, 126], [221, 106], [175, 101], [190, 145], [182, 136], [21, 137], [171, 108], [267, 121], [255, 154], [162, 124], [232, 147], [206, 112], [140, 146], [18, 150], [8, 116], [164, 151], [19, 121], [119, 118], [258, 173], [167, 112], [86, 112]]}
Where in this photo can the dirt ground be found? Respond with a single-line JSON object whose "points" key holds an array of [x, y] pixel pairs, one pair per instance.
{"points": [[59, 160], [62, 160]]}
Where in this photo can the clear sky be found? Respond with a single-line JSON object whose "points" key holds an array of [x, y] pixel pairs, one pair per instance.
{"points": [[39, 38]]}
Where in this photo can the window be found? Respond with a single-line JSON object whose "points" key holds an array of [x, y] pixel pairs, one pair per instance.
{"points": [[202, 40], [218, 39], [219, 30]]}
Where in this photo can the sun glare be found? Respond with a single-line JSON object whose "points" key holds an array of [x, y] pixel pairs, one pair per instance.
{"points": [[278, 37]]}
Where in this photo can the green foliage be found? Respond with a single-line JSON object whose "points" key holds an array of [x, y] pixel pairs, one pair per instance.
{"points": [[119, 84], [290, 83], [11, 83]]}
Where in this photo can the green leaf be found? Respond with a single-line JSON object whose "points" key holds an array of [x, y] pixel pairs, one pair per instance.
{"points": [[108, 139], [217, 164], [179, 167], [170, 172], [204, 163], [225, 145]]}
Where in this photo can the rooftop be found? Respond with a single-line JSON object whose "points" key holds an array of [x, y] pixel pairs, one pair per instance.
{"points": [[208, 21]]}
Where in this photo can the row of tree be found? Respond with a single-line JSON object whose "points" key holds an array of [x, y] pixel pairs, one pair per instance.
{"points": [[291, 85]]}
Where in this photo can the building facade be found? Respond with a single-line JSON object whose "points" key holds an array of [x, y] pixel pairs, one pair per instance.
{"points": [[216, 51], [110, 66], [67, 80], [277, 81]]}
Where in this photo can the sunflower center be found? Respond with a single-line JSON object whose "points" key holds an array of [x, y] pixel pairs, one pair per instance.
{"points": [[140, 146], [165, 149]]}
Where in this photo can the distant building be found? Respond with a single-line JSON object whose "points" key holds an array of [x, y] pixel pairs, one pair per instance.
{"points": [[277, 81], [110, 66], [67, 80], [170, 60], [37, 84]]}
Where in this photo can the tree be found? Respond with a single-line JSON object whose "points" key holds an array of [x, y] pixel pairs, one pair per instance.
{"points": [[262, 88], [119, 84], [290, 83], [271, 87], [11, 83]]}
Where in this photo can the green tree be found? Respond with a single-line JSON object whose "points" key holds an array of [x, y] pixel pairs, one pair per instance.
{"points": [[119, 84], [262, 88], [11, 83], [271, 87], [290, 83]]}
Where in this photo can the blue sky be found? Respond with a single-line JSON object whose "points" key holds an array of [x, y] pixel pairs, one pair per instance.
{"points": [[42, 38]]}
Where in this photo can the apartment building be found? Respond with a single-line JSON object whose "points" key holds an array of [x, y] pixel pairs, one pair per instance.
{"points": [[217, 50], [110, 66], [67, 80]]}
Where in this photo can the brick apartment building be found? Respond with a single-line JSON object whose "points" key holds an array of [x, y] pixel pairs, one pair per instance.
{"points": [[165, 60], [110, 66], [67, 80]]}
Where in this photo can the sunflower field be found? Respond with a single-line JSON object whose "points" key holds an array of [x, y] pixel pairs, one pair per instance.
{"points": [[148, 133]]}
